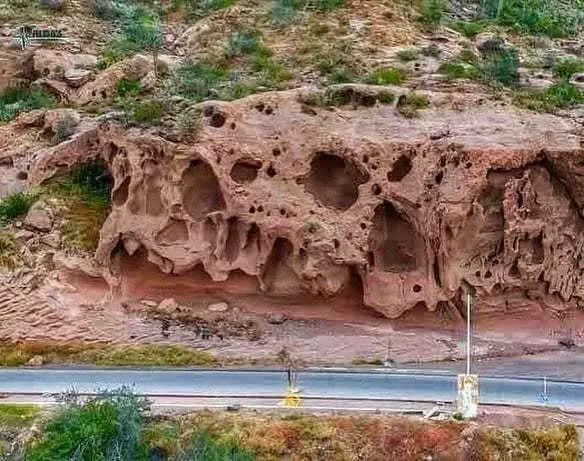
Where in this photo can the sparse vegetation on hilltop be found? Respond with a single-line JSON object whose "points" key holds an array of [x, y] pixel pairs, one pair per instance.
{"points": [[14, 101]]}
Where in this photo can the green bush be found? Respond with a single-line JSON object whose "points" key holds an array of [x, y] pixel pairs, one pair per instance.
{"points": [[558, 96], [432, 12], [338, 67], [387, 76], [198, 9], [106, 427], [109, 9], [410, 104], [247, 41], [90, 180], [408, 54], [500, 67], [456, 70], [128, 86], [14, 101], [148, 111], [470, 28], [65, 128], [542, 17], [15, 205], [199, 81], [284, 11], [385, 97], [273, 71], [140, 31], [568, 67]]}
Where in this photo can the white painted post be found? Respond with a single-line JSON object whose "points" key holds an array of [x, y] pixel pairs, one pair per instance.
{"points": [[468, 336]]}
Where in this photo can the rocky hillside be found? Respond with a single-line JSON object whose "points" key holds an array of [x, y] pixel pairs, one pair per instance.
{"points": [[298, 156]]}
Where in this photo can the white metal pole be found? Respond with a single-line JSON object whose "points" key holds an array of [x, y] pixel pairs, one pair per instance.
{"points": [[468, 345]]}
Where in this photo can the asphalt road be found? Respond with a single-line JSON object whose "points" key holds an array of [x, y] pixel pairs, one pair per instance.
{"points": [[343, 385]]}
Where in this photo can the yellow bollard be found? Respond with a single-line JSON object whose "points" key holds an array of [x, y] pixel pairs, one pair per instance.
{"points": [[292, 398]]}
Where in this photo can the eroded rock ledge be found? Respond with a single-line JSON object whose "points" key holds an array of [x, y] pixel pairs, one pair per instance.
{"points": [[308, 200]]}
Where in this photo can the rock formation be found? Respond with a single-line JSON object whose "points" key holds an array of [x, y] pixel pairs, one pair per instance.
{"points": [[470, 193]]}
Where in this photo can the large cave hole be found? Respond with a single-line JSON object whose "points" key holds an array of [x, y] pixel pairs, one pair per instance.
{"points": [[201, 191], [400, 169], [334, 181], [245, 170], [253, 238], [395, 244], [154, 205], [278, 274]]}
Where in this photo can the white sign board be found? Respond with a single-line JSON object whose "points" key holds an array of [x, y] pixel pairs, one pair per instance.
{"points": [[468, 395]]}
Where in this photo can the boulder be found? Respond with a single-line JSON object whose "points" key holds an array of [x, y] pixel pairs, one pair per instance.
{"points": [[149, 303], [39, 218], [52, 240], [55, 63], [77, 77], [578, 80], [103, 86], [168, 306], [277, 318], [36, 361], [62, 121], [218, 307]]}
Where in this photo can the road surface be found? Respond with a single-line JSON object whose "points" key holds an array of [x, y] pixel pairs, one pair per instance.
{"points": [[374, 385]]}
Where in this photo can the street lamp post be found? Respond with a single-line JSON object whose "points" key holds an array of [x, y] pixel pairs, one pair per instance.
{"points": [[468, 385], [468, 335]]}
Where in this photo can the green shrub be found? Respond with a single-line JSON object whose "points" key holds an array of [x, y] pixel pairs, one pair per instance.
{"points": [[15, 205], [284, 11], [128, 86], [470, 28], [558, 96], [387, 76], [568, 67], [107, 9], [65, 128], [247, 41], [432, 12], [86, 195], [106, 427], [199, 81], [338, 67], [408, 54], [273, 71], [542, 17], [148, 111], [140, 31], [198, 9], [385, 97], [410, 104], [14, 101], [500, 67], [455, 70]]}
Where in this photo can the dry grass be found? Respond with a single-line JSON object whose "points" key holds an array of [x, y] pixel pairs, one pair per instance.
{"points": [[9, 254], [16, 354], [298, 437]]}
